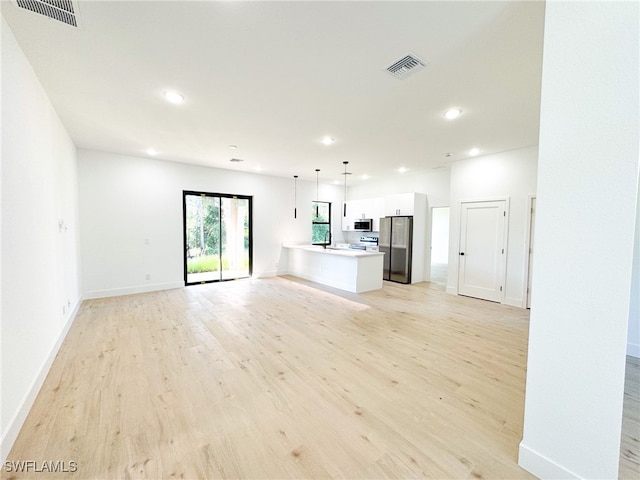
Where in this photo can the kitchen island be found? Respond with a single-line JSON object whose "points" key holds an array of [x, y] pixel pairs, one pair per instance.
{"points": [[355, 271]]}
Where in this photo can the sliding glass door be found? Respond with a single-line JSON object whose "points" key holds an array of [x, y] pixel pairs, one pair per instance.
{"points": [[217, 237]]}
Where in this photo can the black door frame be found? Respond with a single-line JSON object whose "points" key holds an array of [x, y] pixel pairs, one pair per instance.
{"points": [[185, 193]]}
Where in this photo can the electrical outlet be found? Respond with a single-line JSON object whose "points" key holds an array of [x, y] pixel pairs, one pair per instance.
{"points": [[64, 310], [147, 276]]}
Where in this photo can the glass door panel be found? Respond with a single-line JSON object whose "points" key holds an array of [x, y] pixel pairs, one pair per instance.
{"points": [[202, 238], [235, 238]]}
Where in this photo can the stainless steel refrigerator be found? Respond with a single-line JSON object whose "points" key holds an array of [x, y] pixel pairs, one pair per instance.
{"points": [[395, 241]]}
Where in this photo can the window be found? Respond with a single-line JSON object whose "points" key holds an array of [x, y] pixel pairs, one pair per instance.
{"points": [[321, 223]]}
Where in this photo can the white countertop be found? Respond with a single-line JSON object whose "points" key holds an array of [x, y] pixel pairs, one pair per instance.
{"points": [[344, 252]]}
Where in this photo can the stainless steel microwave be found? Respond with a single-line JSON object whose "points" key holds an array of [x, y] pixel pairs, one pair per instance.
{"points": [[362, 225]]}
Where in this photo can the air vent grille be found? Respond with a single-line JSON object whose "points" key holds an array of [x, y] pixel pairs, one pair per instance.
{"points": [[406, 66], [61, 10]]}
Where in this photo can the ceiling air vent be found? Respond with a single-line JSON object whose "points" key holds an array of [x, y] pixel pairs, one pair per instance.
{"points": [[406, 66], [65, 11]]}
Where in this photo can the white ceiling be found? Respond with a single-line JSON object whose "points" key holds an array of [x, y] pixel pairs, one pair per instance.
{"points": [[274, 77]]}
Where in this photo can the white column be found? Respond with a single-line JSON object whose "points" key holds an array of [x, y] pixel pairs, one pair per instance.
{"points": [[587, 187]]}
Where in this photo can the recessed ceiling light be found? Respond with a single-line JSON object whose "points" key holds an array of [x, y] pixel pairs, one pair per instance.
{"points": [[233, 147], [327, 140], [452, 113], [173, 97], [364, 177], [474, 151], [258, 169], [152, 151], [402, 169]]}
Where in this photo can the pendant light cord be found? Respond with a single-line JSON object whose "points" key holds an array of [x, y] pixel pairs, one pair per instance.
{"points": [[344, 213], [317, 211]]}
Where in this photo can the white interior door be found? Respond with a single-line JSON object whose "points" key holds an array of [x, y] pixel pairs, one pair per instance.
{"points": [[482, 249]]}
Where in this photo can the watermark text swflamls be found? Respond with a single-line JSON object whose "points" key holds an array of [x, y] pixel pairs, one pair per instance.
{"points": [[46, 466]]}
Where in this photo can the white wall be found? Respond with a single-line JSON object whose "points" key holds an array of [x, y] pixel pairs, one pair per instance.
{"points": [[434, 183], [585, 222], [40, 260], [510, 174], [125, 200]]}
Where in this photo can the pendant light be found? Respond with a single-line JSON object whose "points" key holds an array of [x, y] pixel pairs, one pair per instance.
{"points": [[295, 196], [344, 210], [317, 171]]}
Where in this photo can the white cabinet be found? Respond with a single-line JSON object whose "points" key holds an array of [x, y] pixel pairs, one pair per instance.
{"points": [[366, 208], [347, 221], [401, 204], [356, 209], [375, 211]]}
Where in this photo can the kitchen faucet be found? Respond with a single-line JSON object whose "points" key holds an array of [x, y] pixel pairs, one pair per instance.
{"points": [[324, 244]]}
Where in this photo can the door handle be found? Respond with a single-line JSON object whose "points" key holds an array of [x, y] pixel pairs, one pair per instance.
{"points": [[462, 253]]}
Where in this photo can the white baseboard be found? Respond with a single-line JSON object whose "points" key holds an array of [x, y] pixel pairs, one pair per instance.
{"points": [[15, 424], [514, 302], [265, 274], [117, 292], [511, 301], [633, 350], [541, 466]]}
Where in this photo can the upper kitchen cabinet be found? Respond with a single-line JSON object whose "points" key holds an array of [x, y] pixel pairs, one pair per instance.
{"points": [[400, 204], [346, 216], [372, 208]]}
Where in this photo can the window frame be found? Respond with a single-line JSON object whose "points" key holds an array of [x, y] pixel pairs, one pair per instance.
{"points": [[328, 223], [185, 194]]}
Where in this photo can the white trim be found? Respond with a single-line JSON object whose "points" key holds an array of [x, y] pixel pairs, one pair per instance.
{"points": [[117, 292], [273, 273], [541, 466], [527, 246], [513, 302], [505, 240], [15, 424]]}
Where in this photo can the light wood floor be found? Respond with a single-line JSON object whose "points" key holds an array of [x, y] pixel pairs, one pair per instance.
{"points": [[630, 440], [439, 273], [278, 378]]}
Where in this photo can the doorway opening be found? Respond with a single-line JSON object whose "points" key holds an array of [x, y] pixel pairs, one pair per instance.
{"points": [[217, 237], [439, 245]]}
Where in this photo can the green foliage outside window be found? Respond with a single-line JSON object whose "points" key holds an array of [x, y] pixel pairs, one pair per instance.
{"points": [[203, 217]]}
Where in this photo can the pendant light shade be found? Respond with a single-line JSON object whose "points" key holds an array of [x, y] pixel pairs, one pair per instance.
{"points": [[295, 196]]}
